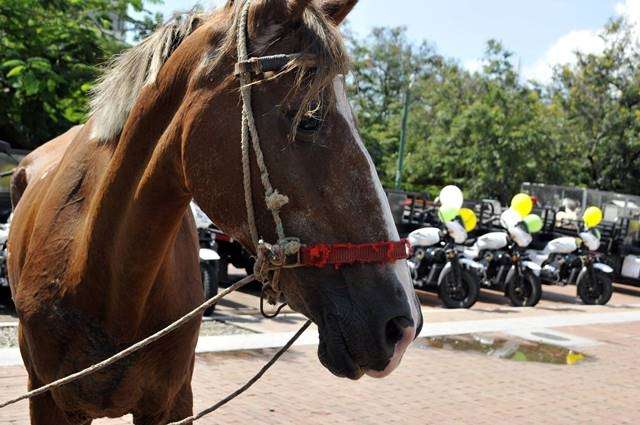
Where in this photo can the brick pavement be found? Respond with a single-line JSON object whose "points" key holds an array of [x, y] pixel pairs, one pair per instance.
{"points": [[431, 387]]}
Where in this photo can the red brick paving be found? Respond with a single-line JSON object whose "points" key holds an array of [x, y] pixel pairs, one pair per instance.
{"points": [[431, 387]]}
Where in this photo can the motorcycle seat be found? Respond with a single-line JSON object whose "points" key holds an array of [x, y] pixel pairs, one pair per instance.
{"points": [[471, 253], [538, 257]]}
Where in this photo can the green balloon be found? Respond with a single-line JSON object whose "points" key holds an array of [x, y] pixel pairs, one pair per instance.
{"points": [[533, 222], [446, 214]]}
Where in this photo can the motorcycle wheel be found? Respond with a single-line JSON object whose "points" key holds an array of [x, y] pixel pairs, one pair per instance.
{"points": [[595, 293], [209, 274], [454, 294], [523, 290]]}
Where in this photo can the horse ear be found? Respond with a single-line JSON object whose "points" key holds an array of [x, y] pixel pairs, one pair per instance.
{"points": [[337, 10], [297, 7]]}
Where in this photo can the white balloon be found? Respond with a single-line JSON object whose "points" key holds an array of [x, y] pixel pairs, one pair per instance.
{"points": [[451, 196], [510, 218]]}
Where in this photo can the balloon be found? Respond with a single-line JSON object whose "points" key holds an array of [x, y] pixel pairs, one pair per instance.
{"points": [[446, 214], [533, 222], [510, 218], [592, 217], [451, 196], [469, 219], [522, 204]]}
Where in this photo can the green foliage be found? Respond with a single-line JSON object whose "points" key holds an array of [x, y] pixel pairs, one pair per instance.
{"points": [[383, 66], [50, 51], [600, 98], [490, 131], [486, 131]]}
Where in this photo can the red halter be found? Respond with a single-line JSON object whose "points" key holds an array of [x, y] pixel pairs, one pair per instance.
{"points": [[338, 255]]}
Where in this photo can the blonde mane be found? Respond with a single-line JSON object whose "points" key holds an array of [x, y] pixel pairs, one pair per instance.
{"points": [[117, 89]]}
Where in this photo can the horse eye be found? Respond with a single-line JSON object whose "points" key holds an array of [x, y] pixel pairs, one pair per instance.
{"points": [[309, 124], [308, 129]]}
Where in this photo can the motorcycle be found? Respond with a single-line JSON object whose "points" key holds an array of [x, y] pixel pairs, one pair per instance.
{"points": [[436, 263], [569, 260], [4, 275], [210, 261], [506, 267]]}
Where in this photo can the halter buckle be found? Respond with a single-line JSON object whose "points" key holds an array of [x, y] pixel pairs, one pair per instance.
{"points": [[286, 254]]}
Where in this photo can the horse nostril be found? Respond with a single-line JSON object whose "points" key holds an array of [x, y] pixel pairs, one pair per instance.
{"points": [[395, 330]]}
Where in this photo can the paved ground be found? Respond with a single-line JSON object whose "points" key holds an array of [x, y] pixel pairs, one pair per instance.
{"points": [[433, 386]]}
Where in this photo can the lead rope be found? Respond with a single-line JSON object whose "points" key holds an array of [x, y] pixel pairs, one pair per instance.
{"points": [[249, 383], [154, 337], [273, 199], [132, 349]]}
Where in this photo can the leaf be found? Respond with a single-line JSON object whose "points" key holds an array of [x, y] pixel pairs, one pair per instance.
{"points": [[31, 84], [16, 71], [40, 64], [12, 63]]}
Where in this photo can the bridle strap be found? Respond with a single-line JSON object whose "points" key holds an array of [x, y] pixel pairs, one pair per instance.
{"points": [[288, 252], [264, 64], [274, 200]]}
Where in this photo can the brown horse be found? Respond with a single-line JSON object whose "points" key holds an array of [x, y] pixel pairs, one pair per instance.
{"points": [[103, 250]]}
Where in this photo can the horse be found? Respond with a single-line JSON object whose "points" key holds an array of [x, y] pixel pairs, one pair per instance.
{"points": [[37, 162], [103, 249]]}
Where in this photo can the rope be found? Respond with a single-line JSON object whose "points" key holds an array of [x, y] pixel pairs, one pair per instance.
{"points": [[135, 347], [249, 383], [274, 200], [246, 182]]}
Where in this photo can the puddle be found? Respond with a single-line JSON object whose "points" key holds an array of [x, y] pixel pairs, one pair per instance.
{"points": [[502, 348]]}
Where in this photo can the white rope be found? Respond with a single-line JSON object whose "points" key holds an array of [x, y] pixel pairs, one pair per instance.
{"points": [[273, 199], [135, 347], [249, 383]]}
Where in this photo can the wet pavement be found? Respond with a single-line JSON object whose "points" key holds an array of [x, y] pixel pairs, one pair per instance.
{"points": [[505, 348]]}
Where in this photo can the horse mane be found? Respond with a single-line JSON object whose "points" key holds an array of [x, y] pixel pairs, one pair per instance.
{"points": [[320, 39], [116, 91]]}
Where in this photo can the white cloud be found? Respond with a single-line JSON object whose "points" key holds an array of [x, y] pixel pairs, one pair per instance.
{"points": [[630, 9], [563, 50]]}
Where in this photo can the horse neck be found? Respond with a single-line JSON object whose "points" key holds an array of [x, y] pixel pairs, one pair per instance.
{"points": [[139, 206]]}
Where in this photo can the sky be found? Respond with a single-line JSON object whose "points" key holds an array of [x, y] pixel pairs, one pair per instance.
{"points": [[541, 33]]}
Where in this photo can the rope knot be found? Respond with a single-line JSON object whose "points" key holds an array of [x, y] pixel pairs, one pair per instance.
{"points": [[290, 246], [275, 201]]}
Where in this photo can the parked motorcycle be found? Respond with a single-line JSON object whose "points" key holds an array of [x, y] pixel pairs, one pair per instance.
{"points": [[4, 275], [569, 260], [506, 267], [436, 263], [209, 258]]}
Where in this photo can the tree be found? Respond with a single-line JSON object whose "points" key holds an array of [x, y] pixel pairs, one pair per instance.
{"points": [[382, 68], [50, 51], [600, 98], [487, 131]]}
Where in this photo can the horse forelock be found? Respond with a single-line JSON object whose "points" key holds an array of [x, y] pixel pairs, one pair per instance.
{"points": [[116, 91], [318, 37]]}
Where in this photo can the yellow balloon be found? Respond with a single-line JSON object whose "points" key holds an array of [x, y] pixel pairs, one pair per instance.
{"points": [[522, 204], [592, 217], [469, 219]]}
